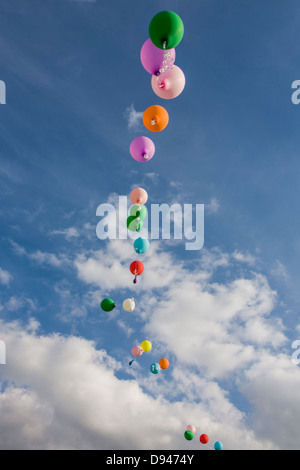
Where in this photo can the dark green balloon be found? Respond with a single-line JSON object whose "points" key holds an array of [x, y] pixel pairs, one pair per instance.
{"points": [[107, 305], [189, 435], [166, 29]]}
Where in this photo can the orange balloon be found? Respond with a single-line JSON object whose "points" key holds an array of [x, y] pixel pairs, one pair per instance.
{"points": [[155, 118], [164, 363]]}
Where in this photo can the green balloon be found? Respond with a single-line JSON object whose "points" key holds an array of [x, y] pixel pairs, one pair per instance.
{"points": [[133, 224], [189, 435], [139, 211], [107, 305], [166, 29]]}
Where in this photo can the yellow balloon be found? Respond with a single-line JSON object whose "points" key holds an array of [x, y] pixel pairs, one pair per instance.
{"points": [[146, 346]]}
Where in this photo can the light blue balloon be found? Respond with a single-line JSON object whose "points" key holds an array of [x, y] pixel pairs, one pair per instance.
{"points": [[218, 445], [141, 245], [155, 368]]}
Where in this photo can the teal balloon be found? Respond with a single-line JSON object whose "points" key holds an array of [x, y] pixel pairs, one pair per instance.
{"points": [[138, 211], [155, 368], [218, 445], [141, 245]]}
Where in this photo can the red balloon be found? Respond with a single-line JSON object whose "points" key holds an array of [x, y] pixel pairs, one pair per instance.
{"points": [[136, 268], [204, 438]]}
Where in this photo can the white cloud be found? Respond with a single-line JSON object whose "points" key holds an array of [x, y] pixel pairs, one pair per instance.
{"points": [[213, 206], [68, 233], [5, 277], [62, 393], [134, 118]]}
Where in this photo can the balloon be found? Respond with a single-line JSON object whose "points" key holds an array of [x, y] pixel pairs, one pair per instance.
{"points": [[155, 60], [137, 351], [218, 445], [166, 29], [204, 438], [130, 362], [107, 305], [141, 209], [136, 268], [133, 223], [155, 368], [189, 435], [141, 245], [139, 196], [142, 149], [164, 364], [170, 84], [146, 346], [129, 305], [155, 118], [192, 428]]}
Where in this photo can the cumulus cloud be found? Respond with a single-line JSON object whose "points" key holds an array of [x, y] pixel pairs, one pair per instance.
{"points": [[62, 393]]}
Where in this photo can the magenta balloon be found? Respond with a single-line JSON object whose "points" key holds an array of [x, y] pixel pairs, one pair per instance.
{"points": [[170, 84], [155, 60], [142, 149]]}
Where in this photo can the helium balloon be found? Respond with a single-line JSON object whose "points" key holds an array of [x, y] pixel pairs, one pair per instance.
{"points": [[170, 84], [146, 346], [136, 268], [189, 435], [166, 29], [133, 222], [142, 149], [192, 428], [155, 368], [218, 445], [141, 209], [155, 118], [141, 245], [164, 363], [139, 196], [155, 60], [204, 438], [137, 351], [107, 305], [129, 305]]}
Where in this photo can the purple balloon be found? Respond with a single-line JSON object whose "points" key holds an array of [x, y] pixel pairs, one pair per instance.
{"points": [[142, 149], [156, 61]]}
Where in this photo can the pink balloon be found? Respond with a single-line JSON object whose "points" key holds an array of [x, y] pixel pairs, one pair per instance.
{"points": [[139, 196], [170, 84], [155, 60], [142, 149], [192, 428], [137, 351]]}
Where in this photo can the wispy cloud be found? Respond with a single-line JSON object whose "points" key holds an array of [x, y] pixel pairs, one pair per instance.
{"points": [[133, 117], [213, 206], [5, 277]]}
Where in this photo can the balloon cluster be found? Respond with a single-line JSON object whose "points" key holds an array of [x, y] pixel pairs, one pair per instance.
{"points": [[167, 79], [204, 439], [146, 346]]}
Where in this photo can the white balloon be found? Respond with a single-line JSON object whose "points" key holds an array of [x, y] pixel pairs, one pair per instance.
{"points": [[129, 305]]}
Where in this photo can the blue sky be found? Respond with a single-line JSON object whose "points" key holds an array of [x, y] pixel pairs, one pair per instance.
{"points": [[72, 72]]}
